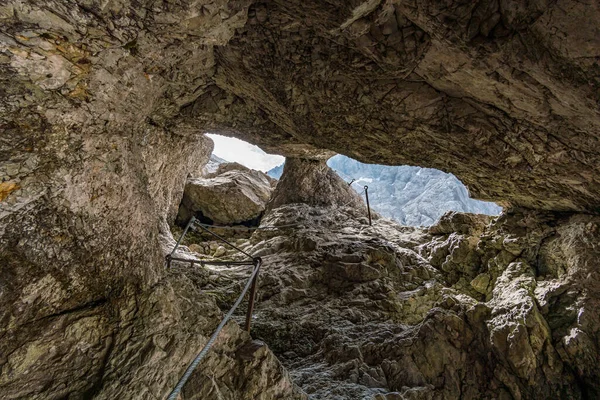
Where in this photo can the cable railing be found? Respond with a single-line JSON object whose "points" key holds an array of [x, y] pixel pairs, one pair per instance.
{"points": [[256, 262]]}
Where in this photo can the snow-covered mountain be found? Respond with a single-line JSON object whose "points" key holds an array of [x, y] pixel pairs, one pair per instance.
{"points": [[410, 195], [276, 172]]}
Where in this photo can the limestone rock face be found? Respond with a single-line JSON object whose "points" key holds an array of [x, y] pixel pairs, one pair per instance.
{"points": [[390, 312], [89, 171], [462, 223], [102, 110], [79, 257], [501, 94], [232, 194], [313, 182], [92, 166]]}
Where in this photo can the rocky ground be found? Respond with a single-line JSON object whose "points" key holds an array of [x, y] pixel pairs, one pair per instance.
{"points": [[103, 107], [473, 308]]}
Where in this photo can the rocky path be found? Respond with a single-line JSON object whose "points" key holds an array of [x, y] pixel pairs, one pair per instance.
{"points": [[462, 310]]}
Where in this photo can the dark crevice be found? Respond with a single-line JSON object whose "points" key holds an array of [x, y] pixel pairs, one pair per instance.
{"points": [[83, 307], [249, 223], [203, 218]]}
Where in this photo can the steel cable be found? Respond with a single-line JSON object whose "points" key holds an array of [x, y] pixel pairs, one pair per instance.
{"points": [[246, 228], [345, 204], [188, 372], [221, 238], [257, 263]]}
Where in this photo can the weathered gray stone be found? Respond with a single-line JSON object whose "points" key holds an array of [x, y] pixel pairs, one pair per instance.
{"points": [[462, 223], [231, 195], [102, 110], [312, 182], [356, 312]]}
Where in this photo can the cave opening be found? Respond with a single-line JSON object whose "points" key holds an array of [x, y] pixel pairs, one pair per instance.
{"points": [[410, 195], [103, 112], [230, 149]]}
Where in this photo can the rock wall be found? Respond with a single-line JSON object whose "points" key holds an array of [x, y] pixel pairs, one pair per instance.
{"points": [[102, 105], [92, 168], [474, 308], [81, 259]]}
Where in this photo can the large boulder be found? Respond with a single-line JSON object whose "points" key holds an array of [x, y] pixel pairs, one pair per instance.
{"points": [[312, 182], [231, 195]]}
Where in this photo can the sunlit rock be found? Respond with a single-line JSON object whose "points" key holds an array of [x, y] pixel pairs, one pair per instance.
{"points": [[233, 194]]}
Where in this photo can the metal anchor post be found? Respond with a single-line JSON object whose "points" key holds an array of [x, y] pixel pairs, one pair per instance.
{"points": [[252, 297], [368, 206]]}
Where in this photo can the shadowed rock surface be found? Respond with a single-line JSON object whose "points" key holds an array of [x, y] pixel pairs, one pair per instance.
{"points": [[102, 110], [313, 182]]}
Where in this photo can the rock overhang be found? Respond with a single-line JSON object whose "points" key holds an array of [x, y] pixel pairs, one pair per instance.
{"points": [[482, 90], [503, 95]]}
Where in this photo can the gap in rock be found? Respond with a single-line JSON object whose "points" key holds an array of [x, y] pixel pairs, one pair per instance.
{"points": [[229, 149], [410, 195], [231, 190]]}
